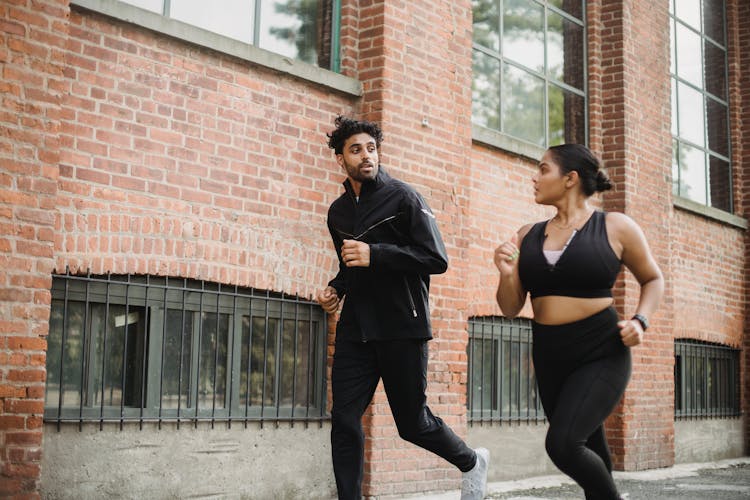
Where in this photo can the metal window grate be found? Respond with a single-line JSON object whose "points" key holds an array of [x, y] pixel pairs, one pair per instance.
{"points": [[707, 380], [144, 348], [502, 386]]}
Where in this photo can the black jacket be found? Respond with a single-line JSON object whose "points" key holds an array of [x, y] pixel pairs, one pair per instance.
{"points": [[388, 299]]}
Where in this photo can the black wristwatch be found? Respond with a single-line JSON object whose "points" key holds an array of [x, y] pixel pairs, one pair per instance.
{"points": [[640, 318]]}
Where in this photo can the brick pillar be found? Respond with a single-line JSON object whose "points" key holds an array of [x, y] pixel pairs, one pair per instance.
{"points": [[415, 65], [31, 60], [634, 140], [738, 27]]}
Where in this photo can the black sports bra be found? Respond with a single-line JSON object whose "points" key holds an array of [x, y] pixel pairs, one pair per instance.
{"points": [[587, 268]]}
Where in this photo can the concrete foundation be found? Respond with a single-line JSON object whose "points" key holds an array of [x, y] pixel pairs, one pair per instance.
{"points": [[271, 463], [708, 440], [517, 450]]}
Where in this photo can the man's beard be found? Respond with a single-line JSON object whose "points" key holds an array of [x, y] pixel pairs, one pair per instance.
{"points": [[358, 175]]}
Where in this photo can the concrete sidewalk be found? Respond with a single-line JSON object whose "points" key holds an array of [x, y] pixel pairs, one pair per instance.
{"points": [[720, 480]]}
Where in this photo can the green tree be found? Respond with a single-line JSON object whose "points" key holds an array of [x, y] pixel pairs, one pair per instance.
{"points": [[305, 36]]}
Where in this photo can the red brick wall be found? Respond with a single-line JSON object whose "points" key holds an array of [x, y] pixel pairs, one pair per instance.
{"points": [[501, 201], [31, 64]]}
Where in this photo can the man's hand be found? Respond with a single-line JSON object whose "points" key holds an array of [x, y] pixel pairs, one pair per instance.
{"points": [[355, 253], [328, 299]]}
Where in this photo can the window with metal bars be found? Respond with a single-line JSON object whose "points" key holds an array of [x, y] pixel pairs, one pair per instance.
{"points": [[502, 386], [146, 348], [707, 380]]}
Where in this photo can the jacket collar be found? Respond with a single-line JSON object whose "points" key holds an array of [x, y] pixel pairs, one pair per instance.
{"points": [[370, 186]]}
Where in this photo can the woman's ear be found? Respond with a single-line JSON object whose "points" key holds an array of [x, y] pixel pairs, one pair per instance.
{"points": [[573, 179]]}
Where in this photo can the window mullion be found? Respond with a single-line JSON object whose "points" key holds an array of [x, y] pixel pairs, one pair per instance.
{"points": [[234, 335], [182, 357], [279, 372], [105, 332], [198, 345], [294, 358], [85, 353], [311, 346], [336, 36], [63, 341], [265, 362], [501, 78], [163, 329], [217, 341], [249, 369], [143, 352], [256, 24], [546, 77], [321, 381]]}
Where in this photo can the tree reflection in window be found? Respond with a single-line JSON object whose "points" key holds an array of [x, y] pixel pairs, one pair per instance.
{"points": [[103, 355], [529, 70], [298, 29]]}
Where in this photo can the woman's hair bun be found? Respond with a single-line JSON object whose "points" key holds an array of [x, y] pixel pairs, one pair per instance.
{"points": [[602, 181]]}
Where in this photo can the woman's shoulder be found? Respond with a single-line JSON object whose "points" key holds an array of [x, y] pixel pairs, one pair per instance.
{"points": [[618, 219], [621, 225]]}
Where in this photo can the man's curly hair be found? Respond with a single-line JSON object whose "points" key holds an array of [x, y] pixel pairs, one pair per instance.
{"points": [[346, 127]]}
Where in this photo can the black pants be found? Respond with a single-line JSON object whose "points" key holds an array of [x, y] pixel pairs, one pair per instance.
{"points": [[582, 369], [402, 364]]}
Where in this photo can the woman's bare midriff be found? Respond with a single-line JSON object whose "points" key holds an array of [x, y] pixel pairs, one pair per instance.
{"points": [[558, 310]]}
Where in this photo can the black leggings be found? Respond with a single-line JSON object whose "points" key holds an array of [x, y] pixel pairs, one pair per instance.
{"points": [[582, 369], [402, 364]]}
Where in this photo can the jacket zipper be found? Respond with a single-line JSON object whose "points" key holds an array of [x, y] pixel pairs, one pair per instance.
{"points": [[411, 299], [357, 237]]}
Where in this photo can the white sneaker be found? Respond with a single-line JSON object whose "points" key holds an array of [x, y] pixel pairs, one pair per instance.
{"points": [[474, 482]]}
